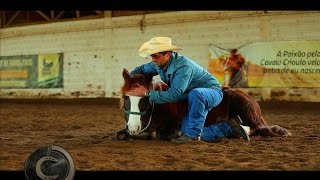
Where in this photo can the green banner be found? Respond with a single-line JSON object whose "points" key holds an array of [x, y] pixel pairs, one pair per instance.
{"points": [[268, 64], [31, 71]]}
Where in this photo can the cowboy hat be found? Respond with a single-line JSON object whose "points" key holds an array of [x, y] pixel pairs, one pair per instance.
{"points": [[155, 45]]}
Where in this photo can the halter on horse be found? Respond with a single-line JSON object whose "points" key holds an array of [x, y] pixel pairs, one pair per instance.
{"points": [[162, 121]]}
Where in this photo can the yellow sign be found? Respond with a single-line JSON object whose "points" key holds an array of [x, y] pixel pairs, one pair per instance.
{"points": [[12, 83], [31, 71], [268, 64], [48, 67], [11, 73]]}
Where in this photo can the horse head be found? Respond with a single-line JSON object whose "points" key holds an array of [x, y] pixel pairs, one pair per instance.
{"points": [[138, 110], [133, 81], [143, 117]]}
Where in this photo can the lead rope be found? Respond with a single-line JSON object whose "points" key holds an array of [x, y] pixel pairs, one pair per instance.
{"points": [[149, 122], [150, 119]]}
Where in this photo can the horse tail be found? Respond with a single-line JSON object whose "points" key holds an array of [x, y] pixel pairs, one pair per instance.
{"points": [[273, 131]]}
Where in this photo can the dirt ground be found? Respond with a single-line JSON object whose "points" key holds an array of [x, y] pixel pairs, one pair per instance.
{"points": [[86, 128]]}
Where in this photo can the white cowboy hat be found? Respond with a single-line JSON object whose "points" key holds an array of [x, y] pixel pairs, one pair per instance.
{"points": [[157, 44]]}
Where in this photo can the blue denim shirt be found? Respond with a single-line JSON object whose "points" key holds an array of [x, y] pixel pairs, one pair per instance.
{"points": [[181, 74]]}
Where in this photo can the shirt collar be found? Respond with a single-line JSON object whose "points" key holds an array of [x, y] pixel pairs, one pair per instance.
{"points": [[168, 67]]}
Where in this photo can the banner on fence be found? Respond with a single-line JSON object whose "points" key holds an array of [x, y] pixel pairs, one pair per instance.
{"points": [[31, 71], [268, 64]]}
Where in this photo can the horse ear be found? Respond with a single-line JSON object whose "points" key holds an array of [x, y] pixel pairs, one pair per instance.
{"points": [[125, 74]]}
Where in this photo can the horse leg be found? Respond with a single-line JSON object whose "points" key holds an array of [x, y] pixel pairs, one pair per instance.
{"points": [[123, 135], [168, 132], [169, 136], [261, 128], [272, 131], [152, 135]]}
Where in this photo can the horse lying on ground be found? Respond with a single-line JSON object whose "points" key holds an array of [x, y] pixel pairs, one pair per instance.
{"points": [[163, 121]]}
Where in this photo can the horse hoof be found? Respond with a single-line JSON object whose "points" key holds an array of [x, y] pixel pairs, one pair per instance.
{"points": [[122, 136], [152, 135]]}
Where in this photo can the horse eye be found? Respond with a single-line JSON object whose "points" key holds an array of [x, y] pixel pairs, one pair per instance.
{"points": [[127, 102]]}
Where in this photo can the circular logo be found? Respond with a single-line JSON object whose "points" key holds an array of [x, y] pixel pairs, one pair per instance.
{"points": [[49, 163]]}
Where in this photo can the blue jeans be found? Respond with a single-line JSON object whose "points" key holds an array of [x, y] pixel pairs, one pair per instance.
{"points": [[216, 131], [200, 102]]}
